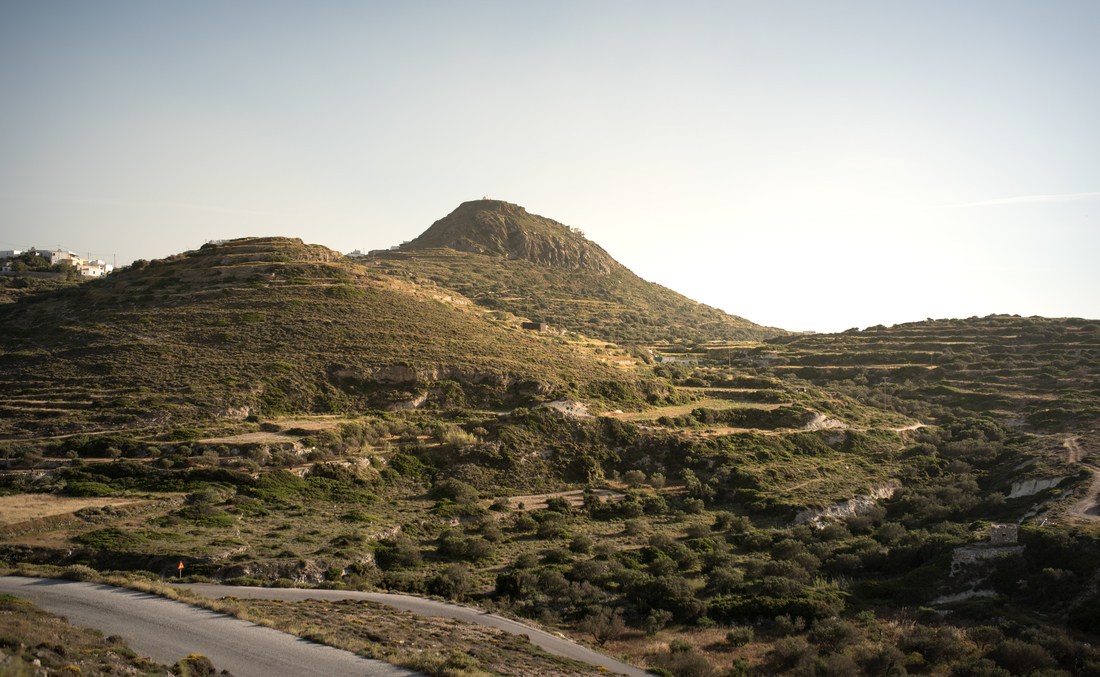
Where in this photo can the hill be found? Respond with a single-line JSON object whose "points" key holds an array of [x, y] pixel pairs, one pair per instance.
{"points": [[1035, 372], [918, 498], [502, 257], [269, 326]]}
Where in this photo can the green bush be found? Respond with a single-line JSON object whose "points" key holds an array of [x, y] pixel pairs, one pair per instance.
{"points": [[88, 489]]}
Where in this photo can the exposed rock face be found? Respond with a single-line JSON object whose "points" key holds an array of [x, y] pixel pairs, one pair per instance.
{"points": [[971, 567], [569, 408], [412, 403], [237, 413], [400, 387], [1033, 486], [849, 508], [504, 229], [401, 374]]}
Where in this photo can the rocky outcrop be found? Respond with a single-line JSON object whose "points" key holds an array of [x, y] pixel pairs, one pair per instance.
{"points": [[401, 374], [1033, 486], [569, 408], [414, 402], [497, 228], [849, 508], [971, 568], [822, 422]]}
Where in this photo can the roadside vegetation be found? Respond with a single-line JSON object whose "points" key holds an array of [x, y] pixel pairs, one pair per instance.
{"points": [[33, 642]]}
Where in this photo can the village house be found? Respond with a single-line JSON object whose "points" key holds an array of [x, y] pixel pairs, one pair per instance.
{"points": [[61, 256], [87, 268], [96, 268]]}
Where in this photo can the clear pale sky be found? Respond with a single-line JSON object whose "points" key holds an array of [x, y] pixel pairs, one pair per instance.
{"points": [[808, 165]]}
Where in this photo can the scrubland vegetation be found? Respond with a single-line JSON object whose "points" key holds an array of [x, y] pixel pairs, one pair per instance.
{"points": [[814, 505]]}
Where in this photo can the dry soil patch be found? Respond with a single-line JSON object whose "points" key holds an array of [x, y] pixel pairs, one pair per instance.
{"points": [[26, 507]]}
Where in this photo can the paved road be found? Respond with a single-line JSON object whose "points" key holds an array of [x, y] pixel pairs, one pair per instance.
{"points": [[427, 607], [167, 631]]}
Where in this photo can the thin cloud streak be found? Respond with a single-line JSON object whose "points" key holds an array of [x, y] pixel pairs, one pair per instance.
{"points": [[1023, 199]]}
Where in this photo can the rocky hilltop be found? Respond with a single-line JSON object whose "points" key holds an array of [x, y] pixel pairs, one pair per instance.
{"points": [[497, 228], [504, 258]]}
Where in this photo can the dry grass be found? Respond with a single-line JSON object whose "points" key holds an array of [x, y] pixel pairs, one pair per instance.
{"points": [[38, 643], [26, 507], [681, 409], [438, 646], [310, 424]]}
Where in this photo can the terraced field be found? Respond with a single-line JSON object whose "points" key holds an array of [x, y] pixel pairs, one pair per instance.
{"points": [[1032, 373]]}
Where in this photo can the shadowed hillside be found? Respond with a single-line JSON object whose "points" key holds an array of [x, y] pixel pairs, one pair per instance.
{"points": [[502, 257]]}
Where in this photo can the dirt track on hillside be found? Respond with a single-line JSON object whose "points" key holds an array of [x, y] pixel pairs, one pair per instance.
{"points": [[1086, 507]]}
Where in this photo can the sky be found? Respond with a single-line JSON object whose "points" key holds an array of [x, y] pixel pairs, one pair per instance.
{"points": [[807, 165]]}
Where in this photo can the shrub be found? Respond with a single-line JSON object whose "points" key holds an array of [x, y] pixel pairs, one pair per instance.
{"points": [[88, 489], [453, 582], [937, 645], [471, 548], [791, 652], [195, 665], [454, 490], [581, 544], [683, 661], [603, 624], [524, 523], [739, 635], [397, 553], [1020, 657], [79, 572]]}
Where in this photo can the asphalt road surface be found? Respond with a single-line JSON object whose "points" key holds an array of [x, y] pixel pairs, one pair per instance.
{"points": [[167, 631], [550, 643]]}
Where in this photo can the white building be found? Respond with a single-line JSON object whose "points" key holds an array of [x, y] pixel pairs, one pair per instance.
{"points": [[61, 256], [87, 268], [97, 268]]}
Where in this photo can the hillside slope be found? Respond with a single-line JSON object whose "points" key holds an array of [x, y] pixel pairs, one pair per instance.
{"points": [[502, 257], [268, 326], [1028, 371]]}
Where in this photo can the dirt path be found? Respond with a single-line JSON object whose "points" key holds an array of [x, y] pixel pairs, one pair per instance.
{"points": [[1087, 507], [1074, 452], [915, 426]]}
